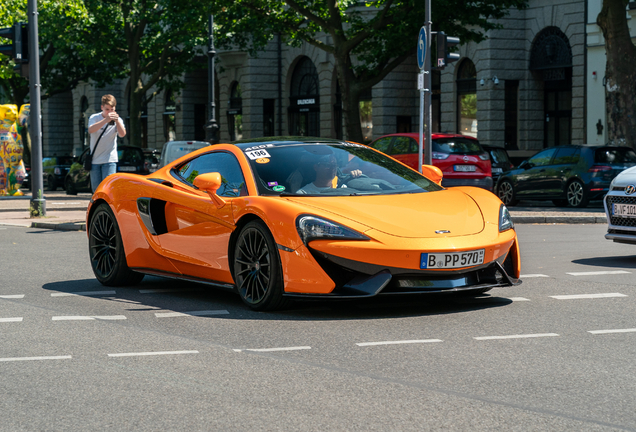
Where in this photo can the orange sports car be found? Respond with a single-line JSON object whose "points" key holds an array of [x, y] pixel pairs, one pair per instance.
{"points": [[276, 219]]}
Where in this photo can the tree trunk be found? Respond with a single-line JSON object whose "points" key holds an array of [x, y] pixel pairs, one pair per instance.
{"points": [[135, 109], [350, 100], [620, 73]]}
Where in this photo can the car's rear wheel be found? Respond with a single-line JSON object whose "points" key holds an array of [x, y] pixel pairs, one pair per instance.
{"points": [[506, 193], [257, 268], [50, 183], [69, 187], [106, 250], [576, 194]]}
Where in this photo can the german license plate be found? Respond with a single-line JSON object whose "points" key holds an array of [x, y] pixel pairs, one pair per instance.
{"points": [[127, 168], [497, 170], [624, 210], [452, 259], [465, 168]]}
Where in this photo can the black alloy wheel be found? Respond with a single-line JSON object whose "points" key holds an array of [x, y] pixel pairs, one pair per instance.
{"points": [[106, 250], [576, 194], [257, 268], [506, 193], [50, 183]]}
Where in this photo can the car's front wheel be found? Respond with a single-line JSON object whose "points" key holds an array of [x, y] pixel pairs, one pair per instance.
{"points": [[576, 194], [257, 268], [506, 193], [106, 250]]}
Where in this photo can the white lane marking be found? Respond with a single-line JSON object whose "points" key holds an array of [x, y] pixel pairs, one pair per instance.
{"points": [[152, 353], [83, 293], [588, 296], [595, 273], [160, 290], [532, 276], [521, 336], [193, 313], [12, 296], [632, 330], [17, 319], [398, 342], [8, 359], [89, 318], [275, 349], [516, 299]]}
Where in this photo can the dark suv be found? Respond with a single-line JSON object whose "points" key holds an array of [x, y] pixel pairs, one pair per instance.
{"points": [[55, 169], [567, 175], [131, 160]]}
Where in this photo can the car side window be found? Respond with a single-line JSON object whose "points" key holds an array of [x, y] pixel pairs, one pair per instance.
{"points": [[543, 158], [566, 155], [401, 145], [383, 144], [232, 180]]}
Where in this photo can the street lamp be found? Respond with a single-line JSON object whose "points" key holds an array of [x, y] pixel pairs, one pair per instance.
{"points": [[211, 127]]}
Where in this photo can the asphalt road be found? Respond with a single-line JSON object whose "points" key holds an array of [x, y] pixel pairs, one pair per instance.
{"points": [[556, 353]]}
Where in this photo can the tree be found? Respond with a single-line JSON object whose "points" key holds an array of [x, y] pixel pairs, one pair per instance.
{"points": [[620, 73], [67, 57], [152, 43], [367, 39]]}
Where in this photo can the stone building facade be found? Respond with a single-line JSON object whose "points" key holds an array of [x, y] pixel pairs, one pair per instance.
{"points": [[524, 88]]}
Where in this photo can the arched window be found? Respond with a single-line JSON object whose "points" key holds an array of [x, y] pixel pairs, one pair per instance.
{"points": [[467, 98], [235, 112], [304, 108], [551, 62]]}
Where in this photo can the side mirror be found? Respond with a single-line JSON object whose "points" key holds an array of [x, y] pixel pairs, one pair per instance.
{"points": [[525, 164], [210, 183], [433, 173]]}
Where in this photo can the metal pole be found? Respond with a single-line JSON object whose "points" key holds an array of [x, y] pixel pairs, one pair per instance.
{"points": [[212, 127], [428, 89], [38, 202], [421, 147]]}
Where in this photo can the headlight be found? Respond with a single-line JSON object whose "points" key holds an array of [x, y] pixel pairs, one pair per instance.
{"points": [[505, 220], [315, 228]]}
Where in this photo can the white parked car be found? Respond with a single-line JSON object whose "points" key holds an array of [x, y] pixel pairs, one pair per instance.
{"points": [[620, 208], [173, 150]]}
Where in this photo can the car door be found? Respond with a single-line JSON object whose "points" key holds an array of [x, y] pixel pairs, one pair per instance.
{"points": [[561, 169], [197, 231], [405, 149], [532, 180]]}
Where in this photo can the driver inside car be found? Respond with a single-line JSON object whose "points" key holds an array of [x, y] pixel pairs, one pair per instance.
{"points": [[325, 168]]}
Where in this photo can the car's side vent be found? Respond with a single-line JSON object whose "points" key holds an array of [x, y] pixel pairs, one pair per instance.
{"points": [[161, 181], [153, 214]]}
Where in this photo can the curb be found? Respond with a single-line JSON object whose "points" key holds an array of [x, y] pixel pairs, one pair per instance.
{"points": [[559, 219], [60, 226]]}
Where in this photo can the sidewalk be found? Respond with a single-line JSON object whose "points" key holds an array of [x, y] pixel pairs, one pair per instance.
{"points": [[68, 213]]}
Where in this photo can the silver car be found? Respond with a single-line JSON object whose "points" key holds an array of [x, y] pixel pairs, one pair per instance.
{"points": [[620, 208]]}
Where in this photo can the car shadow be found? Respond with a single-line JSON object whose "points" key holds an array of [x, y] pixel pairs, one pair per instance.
{"points": [[167, 295], [628, 261]]}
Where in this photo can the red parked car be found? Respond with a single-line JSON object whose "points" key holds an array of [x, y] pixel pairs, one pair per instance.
{"points": [[461, 158]]}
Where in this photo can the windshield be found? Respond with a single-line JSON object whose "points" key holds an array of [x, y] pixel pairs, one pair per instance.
{"points": [[320, 169], [463, 146], [621, 155]]}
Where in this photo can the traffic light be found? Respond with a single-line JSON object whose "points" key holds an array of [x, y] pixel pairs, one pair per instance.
{"points": [[19, 49], [445, 42]]}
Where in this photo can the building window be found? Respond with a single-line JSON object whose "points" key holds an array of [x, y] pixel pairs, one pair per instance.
{"points": [[403, 124], [200, 121], [467, 99], [269, 106], [511, 107], [169, 131], [235, 113], [366, 116], [304, 101]]}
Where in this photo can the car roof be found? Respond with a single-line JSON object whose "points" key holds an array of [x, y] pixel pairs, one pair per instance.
{"points": [[284, 140]]}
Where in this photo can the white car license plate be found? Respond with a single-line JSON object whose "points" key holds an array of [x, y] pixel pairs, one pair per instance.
{"points": [[127, 168], [465, 168], [624, 210], [497, 170], [452, 259]]}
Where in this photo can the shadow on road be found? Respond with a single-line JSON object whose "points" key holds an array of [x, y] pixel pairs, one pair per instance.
{"points": [[615, 261], [183, 296]]}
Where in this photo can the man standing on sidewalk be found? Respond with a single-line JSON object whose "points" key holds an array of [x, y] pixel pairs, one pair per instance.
{"points": [[109, 126]]}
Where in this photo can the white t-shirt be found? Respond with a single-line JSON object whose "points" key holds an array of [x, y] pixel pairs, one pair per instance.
{"points": [[107, 148]]}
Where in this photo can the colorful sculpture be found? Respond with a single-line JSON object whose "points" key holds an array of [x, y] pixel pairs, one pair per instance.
{"points": [[12, 171]]}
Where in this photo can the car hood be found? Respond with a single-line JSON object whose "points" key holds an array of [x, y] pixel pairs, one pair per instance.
{"points": [[625, 178], [406, 215]]}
